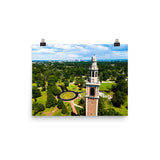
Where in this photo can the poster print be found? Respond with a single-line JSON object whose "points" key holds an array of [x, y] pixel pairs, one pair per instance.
{"points": [[80, 80]]}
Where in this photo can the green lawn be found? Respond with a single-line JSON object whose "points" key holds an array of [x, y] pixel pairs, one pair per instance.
{"points": [[122, 111], [40, 114], [105, 86], [77, 101], [43, 98], [83, 94], [72, 87], [48, 110], [59, 83], [34, 85], [75, 88], [67, 95], [58, 111]]}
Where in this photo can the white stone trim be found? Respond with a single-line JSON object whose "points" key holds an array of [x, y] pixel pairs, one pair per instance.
{"points": [[86, 105], [96, 107]]}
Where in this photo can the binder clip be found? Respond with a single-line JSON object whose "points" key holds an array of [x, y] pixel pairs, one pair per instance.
{"points": [[116, 43], [42, 43]]}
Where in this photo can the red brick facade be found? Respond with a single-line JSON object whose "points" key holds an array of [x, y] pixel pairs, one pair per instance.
{"points": [[91, 107]]}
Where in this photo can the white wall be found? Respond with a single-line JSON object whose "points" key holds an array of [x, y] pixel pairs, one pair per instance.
{"points": [[87, 21]]}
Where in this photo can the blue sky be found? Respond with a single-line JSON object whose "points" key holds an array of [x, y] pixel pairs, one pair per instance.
{"points": [[79, 51]]}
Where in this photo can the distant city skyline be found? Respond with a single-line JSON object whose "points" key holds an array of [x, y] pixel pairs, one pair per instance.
{"points": [[72, 52]]}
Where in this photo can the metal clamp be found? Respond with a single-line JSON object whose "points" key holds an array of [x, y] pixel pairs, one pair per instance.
{"points": [[116, 43], [42, 43]]}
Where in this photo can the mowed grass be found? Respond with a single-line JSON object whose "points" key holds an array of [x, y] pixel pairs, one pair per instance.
{"points": [[83, 94], [48, 110], [122, 111], [58, 111], [34, 85], [105, 86], [77, 101], [67, 95], [72, 87], [75, 88], [60, 83]]}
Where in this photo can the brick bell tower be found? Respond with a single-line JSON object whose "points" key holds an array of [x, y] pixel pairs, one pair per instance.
{"points": [[92, 89]]}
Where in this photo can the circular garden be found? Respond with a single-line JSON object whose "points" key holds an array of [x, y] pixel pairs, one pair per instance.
{"points": [[68, 95]]}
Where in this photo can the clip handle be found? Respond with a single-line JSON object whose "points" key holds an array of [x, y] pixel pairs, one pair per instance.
{"points": [[42, 43], [116, 43]]}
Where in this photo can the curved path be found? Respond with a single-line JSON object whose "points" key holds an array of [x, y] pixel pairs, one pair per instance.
{"points": [[76, 94], [69, 100], [50, 113]]}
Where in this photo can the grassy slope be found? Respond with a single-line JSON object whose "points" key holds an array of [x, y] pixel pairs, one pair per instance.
{"points": [[73, 87], [105, 86], [77, 101]]}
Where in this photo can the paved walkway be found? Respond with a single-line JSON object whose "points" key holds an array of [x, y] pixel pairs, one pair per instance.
{"points": [[50, 113], [73, 107], [77, 105]]}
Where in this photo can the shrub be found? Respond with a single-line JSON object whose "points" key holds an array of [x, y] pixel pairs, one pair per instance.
{"points": [[60, 104], [51, 101], [37, 107], [118, 98], [35, 93], [64, 109]]}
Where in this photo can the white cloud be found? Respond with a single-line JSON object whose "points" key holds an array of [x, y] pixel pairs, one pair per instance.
{"points": [[73, 55], [43, 50], [120, 53], [63, 46], [100, 47]]}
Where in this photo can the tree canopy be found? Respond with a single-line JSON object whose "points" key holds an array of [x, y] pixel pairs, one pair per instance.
{"points": [[35, 93], [37, 107]]}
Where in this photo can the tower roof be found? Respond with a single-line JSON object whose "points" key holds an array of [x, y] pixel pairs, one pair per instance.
{"points": [[94, 63], [94, 58]]}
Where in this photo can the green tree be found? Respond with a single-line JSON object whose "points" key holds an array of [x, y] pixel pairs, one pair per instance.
{"points": [[101, 76], [51, 81], [35, 93], [66, 83], [118, 98], [51, 101], [43, 84], [63, 87], [111, 112], [37, 107], [83, 111], [55, 91], [72, 78], [64, 109], [60, 103], [101, 106]]}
